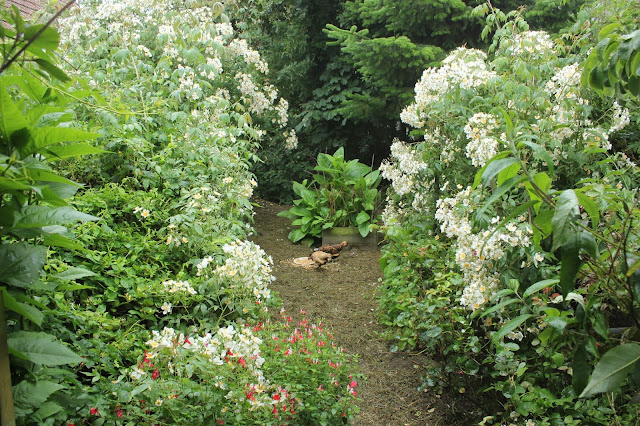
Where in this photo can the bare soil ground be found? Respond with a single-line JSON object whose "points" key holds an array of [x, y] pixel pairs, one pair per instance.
{"points": [[342, 295]]}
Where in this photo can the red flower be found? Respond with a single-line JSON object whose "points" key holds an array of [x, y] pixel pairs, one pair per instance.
{"points": [[119, 411], [276, 397], [94, 411], [353, 384], [242, 361], [155, 374]]}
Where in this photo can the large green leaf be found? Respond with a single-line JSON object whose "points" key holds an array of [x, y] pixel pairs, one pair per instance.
{"points": [[45, 43], [495, 167], [41, 348], [47, 136], [52, 70], [30, 312], [355, 170], [363, 217], [58, 152], [21, 263], [74, 273], [567, 210], [571, 263], [33, 395], [612, 369], [37, 216], [11, 119]]}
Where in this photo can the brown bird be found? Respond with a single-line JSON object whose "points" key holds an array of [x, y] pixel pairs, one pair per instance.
{"points": [[320, 257], [332, 249]]}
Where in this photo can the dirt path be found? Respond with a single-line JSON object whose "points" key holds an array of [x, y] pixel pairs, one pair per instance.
{"points": [[342, 294]]}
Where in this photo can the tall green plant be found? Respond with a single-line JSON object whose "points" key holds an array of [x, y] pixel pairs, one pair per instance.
{"points": [[36, 131]]}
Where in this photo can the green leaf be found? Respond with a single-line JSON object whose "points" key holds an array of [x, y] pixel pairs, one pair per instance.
{"points": [[11, 119], [30, 312], [57, 240], [21, 263], [41, 348], [510, 326], [608, 29], [372, 179], [495, 167], [590, 207], [571, 263], [296, 235], [364, 229], [74, 273], [567, 210], [35, 216], [52, 70], [48, 136], [34, 395], [47, 409], [59, 152], [542, 153], [362, 217], [355, 170], [47, 41], [612, 369], [596, 79], [478, 176], [533, 288], [508, 173], [581, 369]]}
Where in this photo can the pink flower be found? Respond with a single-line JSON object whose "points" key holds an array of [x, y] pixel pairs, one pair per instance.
{"points": [[353, 384], [320, 388], [119, 411], [155, 374], [242, 361]]}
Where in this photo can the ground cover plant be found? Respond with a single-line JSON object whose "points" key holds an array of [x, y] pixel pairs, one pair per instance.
{"points": [[512, 252], [158, 310]]}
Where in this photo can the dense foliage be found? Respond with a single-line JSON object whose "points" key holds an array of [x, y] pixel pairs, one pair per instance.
{"points": [[349, 84], [512, 250], [159, 310], [512, 245]]}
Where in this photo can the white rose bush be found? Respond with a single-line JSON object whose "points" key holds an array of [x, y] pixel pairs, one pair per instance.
{"points": [[512, 252]]}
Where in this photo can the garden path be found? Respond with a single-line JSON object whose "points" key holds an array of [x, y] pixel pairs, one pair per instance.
{"points": [[342, 295]]}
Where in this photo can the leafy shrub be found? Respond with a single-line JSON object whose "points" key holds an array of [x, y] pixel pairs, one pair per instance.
{"points": [[519, 183], [343, 193], [163, 245]]}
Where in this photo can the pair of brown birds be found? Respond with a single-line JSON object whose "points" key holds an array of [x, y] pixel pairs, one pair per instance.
{"points": [[325, 253]]}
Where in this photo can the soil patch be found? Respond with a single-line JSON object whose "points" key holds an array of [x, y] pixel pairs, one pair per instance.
{"points": [[342, 295]]}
